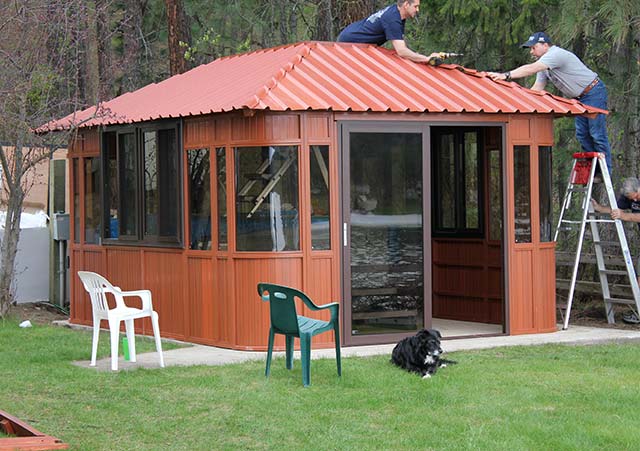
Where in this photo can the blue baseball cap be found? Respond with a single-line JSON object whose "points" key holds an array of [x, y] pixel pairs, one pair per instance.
{"points": [[537, 37]]}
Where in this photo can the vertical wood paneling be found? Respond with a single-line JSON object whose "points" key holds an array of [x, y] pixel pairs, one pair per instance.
{"points": [[222, 129], [124, 268], [253, 313], [91, 145], [198, 132], [318, 126], [248, 128], [164, 276], [466, 278], [282, 127], [546, 294], [224, 304], [318, 287], [520, 129], [200, 311], [522, 308]]}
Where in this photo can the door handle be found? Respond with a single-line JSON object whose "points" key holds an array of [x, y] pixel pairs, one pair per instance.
{"points": [[344, 234]]}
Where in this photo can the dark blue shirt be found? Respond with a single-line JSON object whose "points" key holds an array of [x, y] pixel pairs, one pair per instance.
{"points": [[380, 27], [624, 203]]}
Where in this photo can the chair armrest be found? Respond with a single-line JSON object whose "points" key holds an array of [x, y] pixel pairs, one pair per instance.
{"points": [[144, 295], [334, 307]]}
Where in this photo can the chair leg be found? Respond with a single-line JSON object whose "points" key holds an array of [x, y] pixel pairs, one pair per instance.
{"points": [[336, 330], [305, 354], [289, 351], [267, 370], [114, 332], [156, 335], [131, 339], [94, 343]]}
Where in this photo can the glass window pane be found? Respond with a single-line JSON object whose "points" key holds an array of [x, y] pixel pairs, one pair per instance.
{"points": [[471, 192], [495, 196], [128, 166], [111, 198], [522, 195], [267, 198], [446, 183], [386, 240], [221, 168], [150, 183], [199, 199], [92, 200], [319, 174], [76, 201], [545, 178], [168, 159]]}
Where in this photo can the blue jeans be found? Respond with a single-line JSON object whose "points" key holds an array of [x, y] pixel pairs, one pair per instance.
{"points": [[592, 133]]}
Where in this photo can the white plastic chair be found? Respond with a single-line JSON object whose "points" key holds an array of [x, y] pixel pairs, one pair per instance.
{"points": [[98, 287]]}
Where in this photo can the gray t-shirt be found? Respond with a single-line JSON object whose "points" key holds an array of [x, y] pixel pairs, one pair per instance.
{"points": [[566, 72]]}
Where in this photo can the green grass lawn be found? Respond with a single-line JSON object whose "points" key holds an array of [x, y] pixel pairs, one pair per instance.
{"points": [[537, 398]]}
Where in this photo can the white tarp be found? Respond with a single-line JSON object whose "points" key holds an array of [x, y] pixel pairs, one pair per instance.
{"points": [[27, 220]]}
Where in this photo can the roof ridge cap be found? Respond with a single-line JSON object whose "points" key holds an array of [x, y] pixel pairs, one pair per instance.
{"points": [[263, 91]]}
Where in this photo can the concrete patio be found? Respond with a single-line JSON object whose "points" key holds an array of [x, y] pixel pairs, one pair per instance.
{"points": [[208, 355]]}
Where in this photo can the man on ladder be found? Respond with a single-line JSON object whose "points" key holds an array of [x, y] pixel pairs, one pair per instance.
{"points": [[629, 200], [580, 185]]}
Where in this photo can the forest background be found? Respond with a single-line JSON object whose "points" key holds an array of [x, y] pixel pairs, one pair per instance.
{"points": [[59, 56]]}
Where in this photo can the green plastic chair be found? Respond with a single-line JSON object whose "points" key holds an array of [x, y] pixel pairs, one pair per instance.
{"points": [[286, 321]]}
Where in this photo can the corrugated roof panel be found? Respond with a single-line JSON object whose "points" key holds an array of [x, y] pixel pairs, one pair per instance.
{"points": [[322, 76]]}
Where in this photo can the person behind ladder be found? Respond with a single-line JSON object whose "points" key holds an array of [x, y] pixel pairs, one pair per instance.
{"points": [[628, 209]]}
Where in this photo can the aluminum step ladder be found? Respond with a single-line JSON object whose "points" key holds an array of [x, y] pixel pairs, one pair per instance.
{"points": [[581, 181]]}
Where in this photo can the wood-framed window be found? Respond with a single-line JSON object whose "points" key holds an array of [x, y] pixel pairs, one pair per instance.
{"points": [[199, 183], [267, 198], [457, 168], [142, 180]]}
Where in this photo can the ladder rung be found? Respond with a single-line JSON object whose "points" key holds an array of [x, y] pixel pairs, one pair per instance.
{"points": [[606, 243], [620, 301], [614, 272]]}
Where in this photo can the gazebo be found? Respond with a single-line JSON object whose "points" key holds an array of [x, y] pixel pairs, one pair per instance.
{"points": [[416, 196]]}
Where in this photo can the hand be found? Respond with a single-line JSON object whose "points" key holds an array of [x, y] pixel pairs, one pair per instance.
{"points": [[596, 205], [616, 214], [496, 76]]}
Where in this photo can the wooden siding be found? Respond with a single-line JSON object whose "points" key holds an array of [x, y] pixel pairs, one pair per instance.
{"points": [[210, 297], [466, 280], [531, 274]]}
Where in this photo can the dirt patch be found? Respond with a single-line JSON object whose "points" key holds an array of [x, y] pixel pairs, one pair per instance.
{"points": [[591, 313], [37, 313]]}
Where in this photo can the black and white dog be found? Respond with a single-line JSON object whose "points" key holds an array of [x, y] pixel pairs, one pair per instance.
{"points": [[420, 353]]}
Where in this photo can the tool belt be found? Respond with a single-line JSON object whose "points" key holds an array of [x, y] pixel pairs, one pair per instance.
{"points": [[589, 88]]}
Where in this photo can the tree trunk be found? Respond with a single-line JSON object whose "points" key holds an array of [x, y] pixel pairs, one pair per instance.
{"points": [[133, 46], [178, 32], [103, 45], [9, 245], [324, 21]]}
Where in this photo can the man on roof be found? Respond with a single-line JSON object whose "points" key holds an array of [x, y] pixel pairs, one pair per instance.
{"points": [[387, 25], [574, 80]]}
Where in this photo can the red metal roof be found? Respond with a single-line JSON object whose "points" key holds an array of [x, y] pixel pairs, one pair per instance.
{"points": [[322, 76]]}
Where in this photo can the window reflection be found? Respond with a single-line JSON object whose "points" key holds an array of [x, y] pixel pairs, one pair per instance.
{"points": [[319, 173], [76, 200], [221, 168], [545, 188], [495, 196], [199, 199], [267, 198], [522, 188], [91, 200]]}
